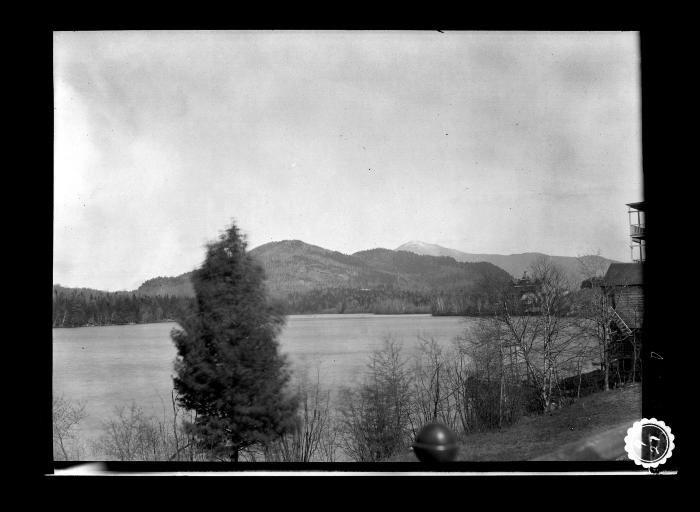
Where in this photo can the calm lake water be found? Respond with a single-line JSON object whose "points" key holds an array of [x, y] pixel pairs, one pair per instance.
{"points": [[107, 367]]}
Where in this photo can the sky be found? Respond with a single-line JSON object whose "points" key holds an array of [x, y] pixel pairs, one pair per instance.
{"points": [[485, 142]]}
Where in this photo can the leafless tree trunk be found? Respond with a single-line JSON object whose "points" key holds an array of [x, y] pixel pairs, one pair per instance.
{"points": [[578, 389], [544, 338], [177, 441], [432, 389], [66, 416], [375, 416], [459, 383], [596, 311], [303, 443]]}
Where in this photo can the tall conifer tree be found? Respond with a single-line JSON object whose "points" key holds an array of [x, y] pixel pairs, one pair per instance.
{"points": [[229, 369]]}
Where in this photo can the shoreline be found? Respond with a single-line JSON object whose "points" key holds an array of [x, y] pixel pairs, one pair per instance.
{"points": [[306, 315]]}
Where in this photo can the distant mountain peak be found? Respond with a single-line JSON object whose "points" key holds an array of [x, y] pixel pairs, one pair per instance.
{"points": [[514, 264], [416, 243], [425, 248]]}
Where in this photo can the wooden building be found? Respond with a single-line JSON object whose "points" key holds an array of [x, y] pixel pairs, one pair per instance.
{"points": [[525, 294], [623, 286]]}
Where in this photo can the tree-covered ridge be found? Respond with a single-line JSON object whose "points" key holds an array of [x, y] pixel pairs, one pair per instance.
{"points": [[179, 286], [389, 301], [78, 307], [357, 300], [292, 266], [74, 309], [420, 272], [297, 267], [307, 279]]}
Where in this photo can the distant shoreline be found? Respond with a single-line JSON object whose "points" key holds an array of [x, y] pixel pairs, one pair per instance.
{"points": [[113, 325], [309, 315]]}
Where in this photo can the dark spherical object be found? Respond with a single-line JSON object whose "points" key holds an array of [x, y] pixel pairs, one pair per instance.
{"points": [[435, 443]]}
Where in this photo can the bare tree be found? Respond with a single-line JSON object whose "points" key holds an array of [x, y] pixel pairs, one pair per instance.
{"points": [[486, 378], [132, 435], [433, 396], [545, 339], [597, 315], [66, 417], [521, 335], [183, 439], [375, 416], [496, 360], [460, 384], [329, 443], [305, 441], [129, 436]]}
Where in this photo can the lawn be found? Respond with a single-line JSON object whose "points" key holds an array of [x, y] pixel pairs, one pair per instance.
{"points": [[593, 428]]}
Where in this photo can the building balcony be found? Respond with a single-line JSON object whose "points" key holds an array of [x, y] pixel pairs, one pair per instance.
{"points": [[637, 230], [638, 253]]}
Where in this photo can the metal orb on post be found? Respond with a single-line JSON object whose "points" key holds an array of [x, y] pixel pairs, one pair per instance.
{"points": [[435, 443]]}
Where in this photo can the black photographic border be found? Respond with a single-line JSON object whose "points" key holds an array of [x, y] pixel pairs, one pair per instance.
{"points": [[661, 381]]}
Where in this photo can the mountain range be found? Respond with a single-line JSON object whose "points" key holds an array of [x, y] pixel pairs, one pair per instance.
{"points": [[514, 264], [307, 279], [293, 266]]}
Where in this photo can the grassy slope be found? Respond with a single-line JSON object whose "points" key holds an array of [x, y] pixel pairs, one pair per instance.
{"points": [[594, 424]]}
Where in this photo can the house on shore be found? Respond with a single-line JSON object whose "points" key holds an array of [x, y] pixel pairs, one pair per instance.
{"points": [[525, 290]]}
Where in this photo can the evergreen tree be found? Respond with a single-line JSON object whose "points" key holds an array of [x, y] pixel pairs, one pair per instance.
{"points": [[229, 369]]}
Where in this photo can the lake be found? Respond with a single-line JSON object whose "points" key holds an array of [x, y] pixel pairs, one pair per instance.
{"points": [[111, 366]]}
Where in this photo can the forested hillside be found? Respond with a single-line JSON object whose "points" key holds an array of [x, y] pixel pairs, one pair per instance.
{"points": [[305, 279], [353, 300], [417, 272], [179, 286], [292, 266], [76, 307]]}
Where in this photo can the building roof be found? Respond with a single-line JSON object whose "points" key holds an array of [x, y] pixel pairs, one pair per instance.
{"points": [[623, 274], [637, 206]]}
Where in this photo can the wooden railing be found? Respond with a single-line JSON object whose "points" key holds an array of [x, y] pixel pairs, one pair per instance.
{"points": [[636, 230]]}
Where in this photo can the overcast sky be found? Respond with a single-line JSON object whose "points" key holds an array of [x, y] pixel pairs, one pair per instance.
{"points": [[484, 142]]}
